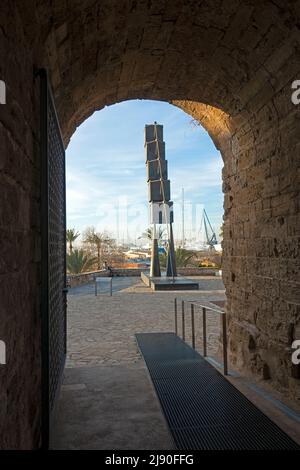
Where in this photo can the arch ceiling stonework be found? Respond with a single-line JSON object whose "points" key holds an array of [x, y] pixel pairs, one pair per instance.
{"points": [[230, 65]]}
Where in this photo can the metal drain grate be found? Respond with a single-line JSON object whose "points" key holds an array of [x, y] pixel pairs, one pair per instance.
{"points": [[205, 411]]}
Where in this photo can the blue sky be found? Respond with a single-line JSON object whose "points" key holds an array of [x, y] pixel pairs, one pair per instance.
{"points": [[106, 174]]}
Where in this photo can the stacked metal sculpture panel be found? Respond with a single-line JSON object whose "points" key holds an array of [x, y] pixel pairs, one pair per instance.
{"points": [[161, 207]]}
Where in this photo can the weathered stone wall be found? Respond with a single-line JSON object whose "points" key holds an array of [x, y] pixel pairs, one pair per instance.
{"points": [[20, 393], [262, 229], [230, 65]]}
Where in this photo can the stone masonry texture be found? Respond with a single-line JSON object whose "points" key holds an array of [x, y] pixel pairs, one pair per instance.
{"points": [[230, 65]]}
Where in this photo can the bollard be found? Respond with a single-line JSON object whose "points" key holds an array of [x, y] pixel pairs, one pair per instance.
{"points": [[183, 320], [193, 325], [204, 333], [225, 361], [175, 316]]}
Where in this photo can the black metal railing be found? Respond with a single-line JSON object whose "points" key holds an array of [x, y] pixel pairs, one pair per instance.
{"points": [[197, 304]]}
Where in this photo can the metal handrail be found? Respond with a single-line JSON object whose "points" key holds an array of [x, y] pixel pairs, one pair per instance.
{"points": [[221, 312], [197, 303]]}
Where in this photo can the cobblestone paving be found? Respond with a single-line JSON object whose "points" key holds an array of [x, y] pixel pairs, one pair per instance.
{"points": [[101, 329]]}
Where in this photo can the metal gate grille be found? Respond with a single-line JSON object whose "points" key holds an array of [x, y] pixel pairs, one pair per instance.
{"points": [[53, 253]]}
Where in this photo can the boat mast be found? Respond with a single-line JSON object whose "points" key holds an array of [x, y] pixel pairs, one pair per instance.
{"points": [[182, 218]]}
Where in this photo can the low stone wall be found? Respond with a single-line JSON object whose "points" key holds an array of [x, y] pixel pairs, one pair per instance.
{"points": [[128, 272], [194, 271], [74, 280]]}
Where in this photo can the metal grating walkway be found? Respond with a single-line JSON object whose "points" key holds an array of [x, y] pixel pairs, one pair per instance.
{"points": [[205, 411]]}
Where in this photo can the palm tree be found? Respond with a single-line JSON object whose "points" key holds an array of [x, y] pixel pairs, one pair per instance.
{"points": [[71, 236], [149, 232], [163, 259], [183, 256], [79, 261], [98, 240]]}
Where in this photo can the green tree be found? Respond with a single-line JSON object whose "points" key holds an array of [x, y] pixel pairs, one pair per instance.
{"points": [[98, 240], [183, 257], [160, 233], [163, 260], [80, 261], [71, 236]]}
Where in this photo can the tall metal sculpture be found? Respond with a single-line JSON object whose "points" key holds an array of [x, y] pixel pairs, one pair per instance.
{"points": [[161, 207]]}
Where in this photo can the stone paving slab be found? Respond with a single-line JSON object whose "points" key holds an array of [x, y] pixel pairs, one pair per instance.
{"points": [[109, 408]]}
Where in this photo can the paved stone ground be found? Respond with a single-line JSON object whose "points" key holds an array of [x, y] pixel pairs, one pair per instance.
{"points": [[101, 329], [109, 407]]}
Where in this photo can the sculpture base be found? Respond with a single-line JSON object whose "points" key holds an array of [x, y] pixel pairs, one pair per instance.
{"points": [[168, 283]]}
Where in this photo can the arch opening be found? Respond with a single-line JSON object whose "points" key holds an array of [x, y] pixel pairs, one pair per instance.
{"points": [[105, 158]]}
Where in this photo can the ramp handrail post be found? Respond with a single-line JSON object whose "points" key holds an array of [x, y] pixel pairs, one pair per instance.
{"points": [[175, 316], [110, 286], [96, 287], [225, 361], [204, 332], [183, 320], [218, 311], [193, 325]]}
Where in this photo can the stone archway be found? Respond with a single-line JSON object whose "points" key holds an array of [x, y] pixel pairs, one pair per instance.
{"points": [[230, 65]]}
